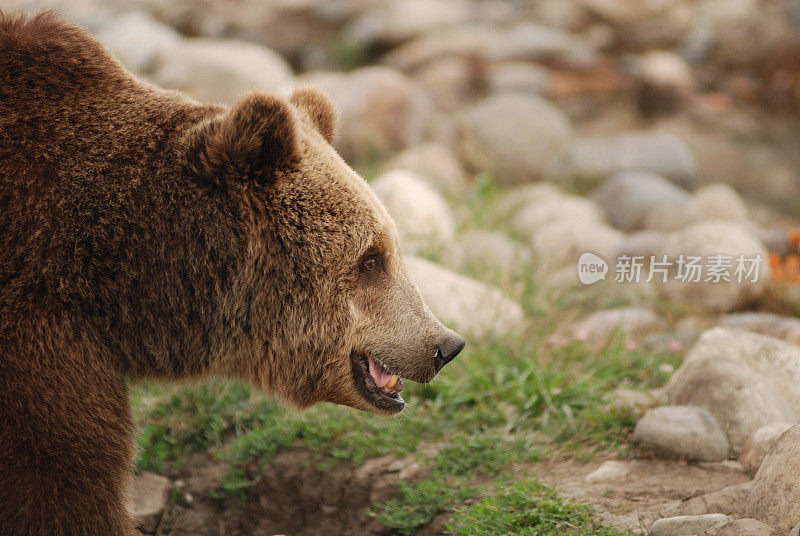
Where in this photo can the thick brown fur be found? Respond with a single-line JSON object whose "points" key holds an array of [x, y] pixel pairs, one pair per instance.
{"points": [[143, 234]]}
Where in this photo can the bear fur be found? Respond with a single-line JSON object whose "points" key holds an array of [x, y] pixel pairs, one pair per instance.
{"points": [[146, 235]]}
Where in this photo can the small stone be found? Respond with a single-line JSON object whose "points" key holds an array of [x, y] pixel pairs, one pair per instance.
{"points": [[435, 164], [608, 472], [468, 306], [683, 432], [629, 196], [688, 525], [149, 500], [421, 214], [514, 136], [760, 443]]}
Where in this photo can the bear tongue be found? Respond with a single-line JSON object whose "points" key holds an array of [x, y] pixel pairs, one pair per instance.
{"points": [[379, 376]]}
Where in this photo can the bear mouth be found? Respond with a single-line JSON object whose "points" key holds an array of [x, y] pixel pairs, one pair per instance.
{"points": [[377, 383]]}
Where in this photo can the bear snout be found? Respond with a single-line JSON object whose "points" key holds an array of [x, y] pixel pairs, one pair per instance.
{"points": [[448, 349]]}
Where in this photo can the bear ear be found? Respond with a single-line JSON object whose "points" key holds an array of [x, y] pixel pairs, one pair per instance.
{"points": [[319, 109], [254, 139]]}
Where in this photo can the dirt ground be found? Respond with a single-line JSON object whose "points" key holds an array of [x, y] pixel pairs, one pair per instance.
{"points": [[296, 497]]}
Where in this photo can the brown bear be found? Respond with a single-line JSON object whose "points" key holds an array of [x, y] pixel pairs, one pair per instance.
{"points": [[143, 234]]}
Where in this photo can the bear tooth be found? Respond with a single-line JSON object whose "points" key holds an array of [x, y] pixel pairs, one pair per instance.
{"points": [[392, 381]]}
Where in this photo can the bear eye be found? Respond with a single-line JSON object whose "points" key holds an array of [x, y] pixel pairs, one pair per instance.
{"points": [[369, 264]]}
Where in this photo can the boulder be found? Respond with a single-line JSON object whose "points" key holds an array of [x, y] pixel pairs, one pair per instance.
{"points": [[741, 274], [629, 196], [593, 159], [381, 110], [421, 214], [476, 309], [775, 497], [435, 164], [745, 380], [220, 70], [516, 137], [149, 500], [683, 432]]}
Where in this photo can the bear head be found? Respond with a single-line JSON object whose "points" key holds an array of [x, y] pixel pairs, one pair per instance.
{"points": [[327, 308]]}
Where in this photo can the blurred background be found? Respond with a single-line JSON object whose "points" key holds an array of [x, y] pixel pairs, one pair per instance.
{"points": [[506, 139]]}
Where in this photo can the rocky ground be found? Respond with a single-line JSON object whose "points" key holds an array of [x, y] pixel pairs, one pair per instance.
{"points": [[507, 138]]}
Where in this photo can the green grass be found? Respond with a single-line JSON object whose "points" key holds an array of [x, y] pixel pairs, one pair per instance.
{"points": [[419, 503], [526, 509]]}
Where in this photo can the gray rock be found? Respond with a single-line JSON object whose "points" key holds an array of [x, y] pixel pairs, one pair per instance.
{"points": [[771, 325], [149, 500], [381, 110], [629, 196], [660, 153], [745, 380], [434, 163], [775, 497], [421, 214], [220, 70], [516, 137], [683, 432], [476, 309], [138, 40], [728, 242], [760, 443], [632, 321], [688, 525]]}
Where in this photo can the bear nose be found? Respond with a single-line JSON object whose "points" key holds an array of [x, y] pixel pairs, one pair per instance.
{"points": [[450, 347]]}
